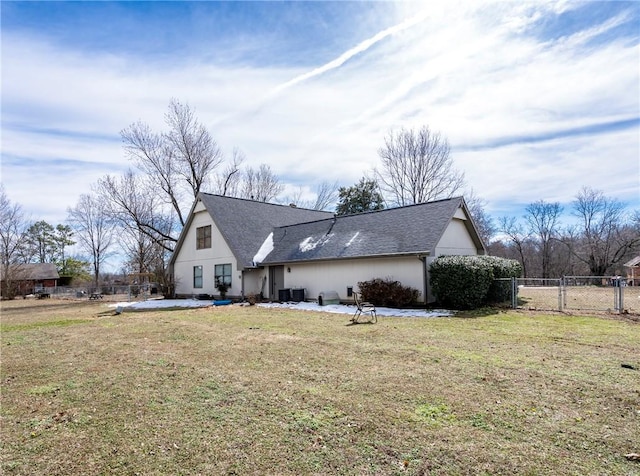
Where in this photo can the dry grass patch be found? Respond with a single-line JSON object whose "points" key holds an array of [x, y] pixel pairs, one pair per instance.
{"points": [[233, 390]]}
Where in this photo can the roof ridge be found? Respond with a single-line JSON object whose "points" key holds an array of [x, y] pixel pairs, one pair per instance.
{"points": [[458, 197], [371, 212], [263, 203]]}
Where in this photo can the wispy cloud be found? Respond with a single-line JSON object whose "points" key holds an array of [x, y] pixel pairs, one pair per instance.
{"points": [[530, 113], [590, 130], [347, 55]]}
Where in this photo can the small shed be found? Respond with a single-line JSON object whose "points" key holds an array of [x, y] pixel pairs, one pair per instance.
{"points": [[28, 278], [633, 271]]}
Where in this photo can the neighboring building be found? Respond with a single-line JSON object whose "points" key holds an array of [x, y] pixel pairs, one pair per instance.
{"points": [[633, 271], [271, 250], [29, 278]]}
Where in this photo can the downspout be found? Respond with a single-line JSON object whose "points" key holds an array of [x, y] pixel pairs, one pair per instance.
{"points": [[425, 280]]}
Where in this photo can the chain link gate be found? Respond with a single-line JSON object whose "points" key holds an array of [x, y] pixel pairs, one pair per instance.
{"points": [[541, 294], [593, 293]]}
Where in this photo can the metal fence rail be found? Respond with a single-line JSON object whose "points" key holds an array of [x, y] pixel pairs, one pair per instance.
{"points": [[133, 292], [576, 293]]}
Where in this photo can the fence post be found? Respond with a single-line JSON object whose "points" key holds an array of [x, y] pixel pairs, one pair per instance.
{"points": [[618, 295], [514, 293], [561, 293]]}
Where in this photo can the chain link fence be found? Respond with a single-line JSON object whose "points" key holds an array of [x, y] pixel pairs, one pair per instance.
{"points": [[133, 292], [576, 293]]}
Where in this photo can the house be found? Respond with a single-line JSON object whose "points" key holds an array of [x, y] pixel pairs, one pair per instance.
{"points": [[280, 251], [28, 278], [633, 271]]}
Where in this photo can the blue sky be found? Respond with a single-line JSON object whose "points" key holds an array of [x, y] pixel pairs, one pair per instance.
{"points": [[537, 99]]}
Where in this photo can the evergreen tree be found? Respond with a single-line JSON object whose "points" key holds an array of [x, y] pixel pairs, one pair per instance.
{"points": [[365, 196]]}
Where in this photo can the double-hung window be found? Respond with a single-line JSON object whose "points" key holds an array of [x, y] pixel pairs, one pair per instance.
{"points": [[197, 276], [223, 274], [203, 237]]}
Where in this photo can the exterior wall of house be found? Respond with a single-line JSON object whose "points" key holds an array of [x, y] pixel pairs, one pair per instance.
{"points": [[253, 281], [337, 275], [455, 241], [189, 256]]}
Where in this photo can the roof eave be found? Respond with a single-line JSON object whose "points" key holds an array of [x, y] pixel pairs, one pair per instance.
{"points": [[418, 254]]}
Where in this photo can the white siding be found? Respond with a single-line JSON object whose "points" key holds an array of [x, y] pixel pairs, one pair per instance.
{"points": [[338, 275], [455, 241], [189, 256], [253, 280]]}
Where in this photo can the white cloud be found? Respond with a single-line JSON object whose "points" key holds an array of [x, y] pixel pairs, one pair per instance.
{"points": [[481, 73]]}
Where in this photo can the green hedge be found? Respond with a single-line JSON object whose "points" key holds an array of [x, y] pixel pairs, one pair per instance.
{"points": [[468, 282], [500, 291]]}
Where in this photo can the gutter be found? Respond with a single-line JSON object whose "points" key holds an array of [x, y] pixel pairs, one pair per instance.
{"points": [[341, 258]]}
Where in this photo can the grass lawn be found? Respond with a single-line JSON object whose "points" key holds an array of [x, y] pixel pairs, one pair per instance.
{"points": [[246, 390]]}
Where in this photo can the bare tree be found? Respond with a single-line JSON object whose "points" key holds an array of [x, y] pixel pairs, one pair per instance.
{"points": [[261, 185], [326, 196], [417, 167], [177, 162], [482, 220], [606, 240], [146, 228], [197, 154], [12, 231], [227, 182], [544, 222], [143, 255], [131, 203], [518, 238], [94, 230]]}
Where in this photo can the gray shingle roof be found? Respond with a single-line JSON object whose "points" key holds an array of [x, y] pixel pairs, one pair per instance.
{"points": [[32, 272], [406, 230], [245, 224]]}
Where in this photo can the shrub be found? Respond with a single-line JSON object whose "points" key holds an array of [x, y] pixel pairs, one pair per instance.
{"points": [[461, 282], [500, 291], [222, 288], [467, 282], [388, 293]]}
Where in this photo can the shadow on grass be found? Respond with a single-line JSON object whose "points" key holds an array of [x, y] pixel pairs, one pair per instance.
{"points": [[480, 312], [357, 323]]}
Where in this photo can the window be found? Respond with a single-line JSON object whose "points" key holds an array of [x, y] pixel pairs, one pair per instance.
{"points": [[197, 276], [203, 237], [223, 274]]}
